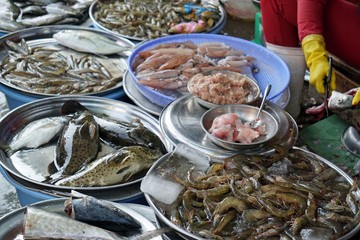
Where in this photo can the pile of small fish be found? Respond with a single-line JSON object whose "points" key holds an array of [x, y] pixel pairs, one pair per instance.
{"points": [[289, 194], [17, 14], [86, 218], [56, 69], [79, 137], [152, 19], [171, 65]]}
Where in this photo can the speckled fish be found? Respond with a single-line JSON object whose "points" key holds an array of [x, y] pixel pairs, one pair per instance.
{"points": [[78, 144], [37, 133], [120, 133], [42, 224], [100, 213], [116, 167], [89, 42]]}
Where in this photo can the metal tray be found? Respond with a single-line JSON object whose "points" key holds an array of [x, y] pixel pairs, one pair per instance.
{"points": [[215, 29], [11, 223], [46, 107], [182, 233], [42, 36], [135, 95], [140, 100], [180, 122]]}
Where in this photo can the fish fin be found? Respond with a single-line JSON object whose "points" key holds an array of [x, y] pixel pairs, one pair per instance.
{"points": [[72, 106], [52, 168]]}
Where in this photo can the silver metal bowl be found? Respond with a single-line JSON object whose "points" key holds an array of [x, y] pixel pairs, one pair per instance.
{"points": [[252, 87], [246, 113], [351, 140]]}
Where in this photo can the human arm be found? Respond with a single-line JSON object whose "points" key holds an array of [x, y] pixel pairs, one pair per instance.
{"points": [[310, 29]]}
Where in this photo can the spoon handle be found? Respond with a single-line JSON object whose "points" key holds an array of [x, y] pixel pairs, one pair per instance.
{"points": [[266, 93]]}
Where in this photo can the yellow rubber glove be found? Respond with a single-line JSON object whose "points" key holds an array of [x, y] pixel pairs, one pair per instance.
{"points": [[356, 98], [317, 60]]}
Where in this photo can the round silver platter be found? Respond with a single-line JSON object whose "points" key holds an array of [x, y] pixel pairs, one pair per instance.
{"points": [[93, 7], [182, 233], [42, 36], [46, 107], [11, 223], [140, 100], [180, 123]]}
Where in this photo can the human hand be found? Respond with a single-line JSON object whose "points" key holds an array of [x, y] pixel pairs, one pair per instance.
{"points": [[356, 98], [317, 60]]}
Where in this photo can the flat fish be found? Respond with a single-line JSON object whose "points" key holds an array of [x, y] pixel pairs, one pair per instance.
{"points": [[37, 133], [78, 144], [100, 213], [89, 42], [113, 168], [42, 224]]}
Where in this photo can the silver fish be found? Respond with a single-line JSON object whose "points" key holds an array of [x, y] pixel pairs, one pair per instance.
{"points": [[61, 8], [41, 224], [44, 225], [46, 19], [113, 168], [37, 133], [89, 42]]}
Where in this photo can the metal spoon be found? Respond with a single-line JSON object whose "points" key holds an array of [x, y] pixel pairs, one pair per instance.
{"points": [[256, 122]]}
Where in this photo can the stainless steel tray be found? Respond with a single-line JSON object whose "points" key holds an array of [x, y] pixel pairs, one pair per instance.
{"points": [[180, 122], [11, 223], [164, 221], [215, 29], [140, 100], [42, 36], [46, 107]]}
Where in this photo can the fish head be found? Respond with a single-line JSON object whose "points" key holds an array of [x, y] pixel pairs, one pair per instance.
{"points": [[340, 101]]}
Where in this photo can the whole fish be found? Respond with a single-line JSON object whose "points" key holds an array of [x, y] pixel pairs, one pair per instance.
{"points": [[89, 42], [120, 133], [78, 144], [46, 19], [100, 213], [41, 224], [37, 133], [113, 168]]}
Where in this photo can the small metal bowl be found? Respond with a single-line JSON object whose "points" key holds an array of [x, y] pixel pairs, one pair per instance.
{"points": [[251, 86], [351, 140], [246, 113]]}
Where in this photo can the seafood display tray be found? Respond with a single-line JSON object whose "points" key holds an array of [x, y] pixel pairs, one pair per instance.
{"points": [[51, 107], [272, 69], [11, 223], [182, 233], [180, 123], [140, 100], [29, 193], [42, 37], [217, 28]]}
